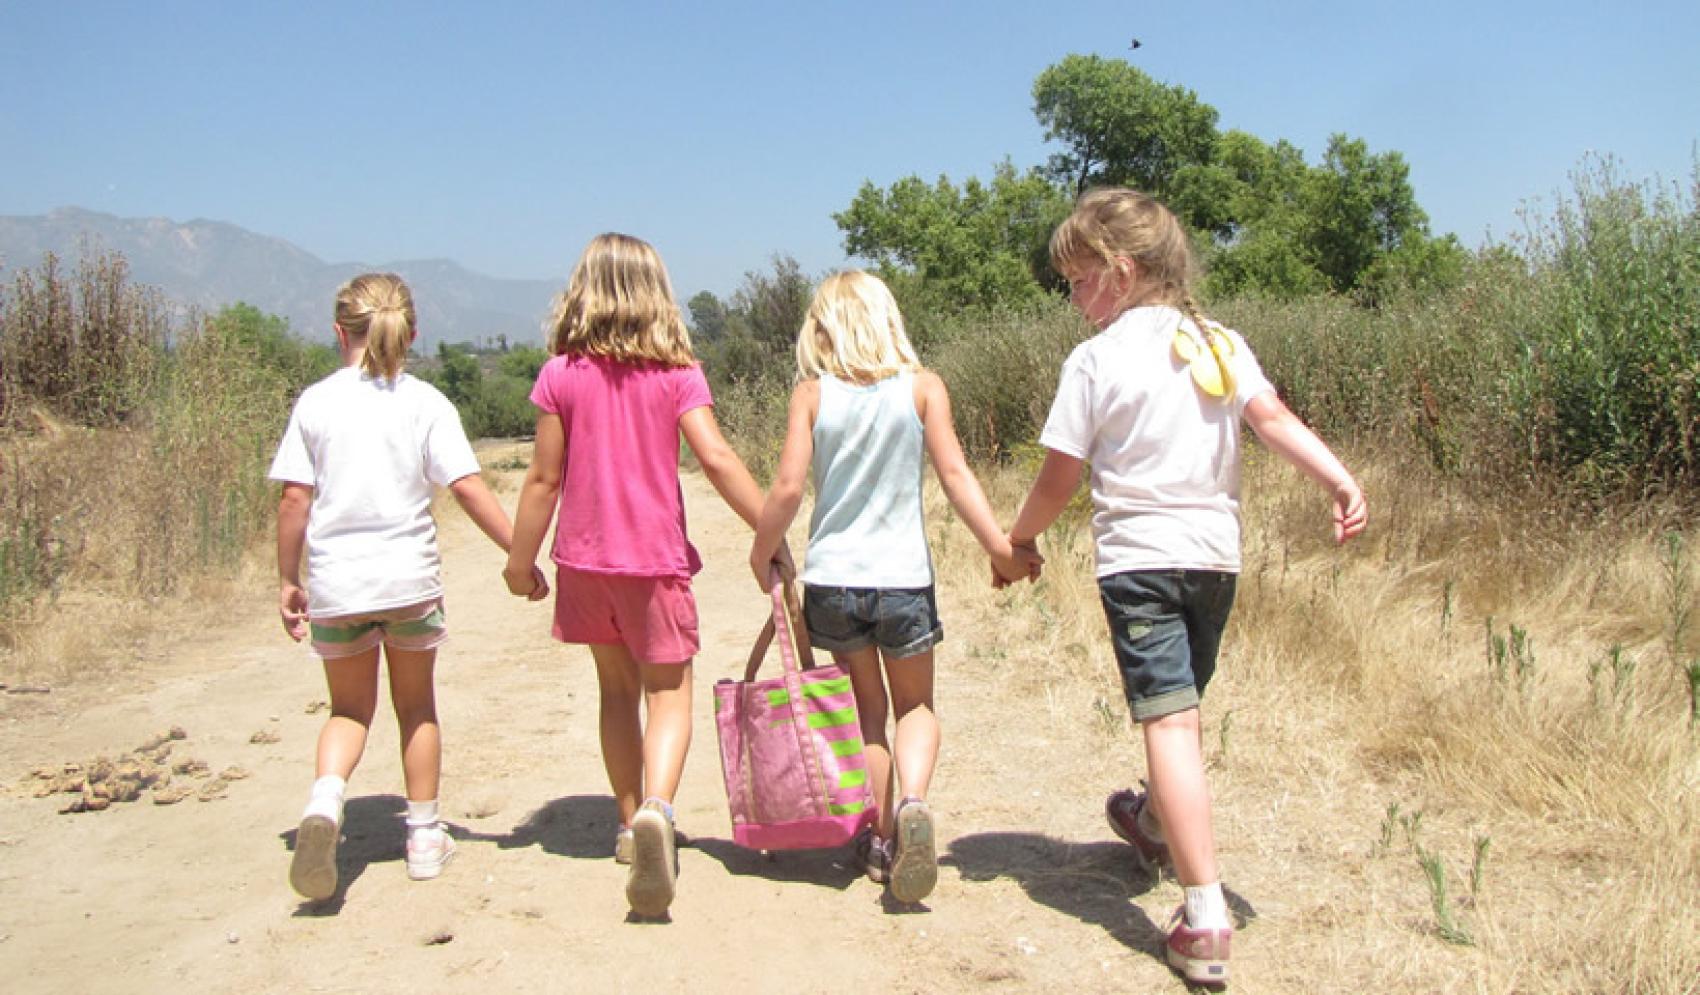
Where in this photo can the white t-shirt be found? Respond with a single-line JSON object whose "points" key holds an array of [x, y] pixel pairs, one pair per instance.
{"points": [[1164, 455], [371, 450]]}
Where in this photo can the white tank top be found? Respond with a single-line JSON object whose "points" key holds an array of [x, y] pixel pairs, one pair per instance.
{"points": [[867, 528]]}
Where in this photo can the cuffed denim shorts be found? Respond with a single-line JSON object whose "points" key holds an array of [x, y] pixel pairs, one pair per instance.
{"points": [[1166, 627], [901, 621]]}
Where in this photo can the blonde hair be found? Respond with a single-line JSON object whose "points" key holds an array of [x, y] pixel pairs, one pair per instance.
{"points": [[854, 331], [619, 304], [1110, 223], [378, 308]]}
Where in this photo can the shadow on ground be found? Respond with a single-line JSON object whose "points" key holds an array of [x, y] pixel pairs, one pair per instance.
{"points": [[581, 826], [1093, 882], [832, 868]]}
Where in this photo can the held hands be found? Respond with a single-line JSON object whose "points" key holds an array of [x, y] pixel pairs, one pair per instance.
{"points": [[1022, 563], [292, 608], [1351, 513], [762, 566], [529, 584]]}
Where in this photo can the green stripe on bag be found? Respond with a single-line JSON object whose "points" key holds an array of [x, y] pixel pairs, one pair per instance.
{"points": [[837, 717], [776, 699], [846, 747], [850, 809], [852, 778], [826, 689]]}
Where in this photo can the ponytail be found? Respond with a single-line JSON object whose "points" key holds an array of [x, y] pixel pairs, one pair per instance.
{"points": [[378, 308], [388, 337]]}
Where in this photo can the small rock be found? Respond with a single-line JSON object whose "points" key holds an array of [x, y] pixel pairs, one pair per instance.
{"points": [[234, 773], [193, 768], [438, 937], [231, 937], [170, 795], [178, 733], [212, 790], [265, 736], [314, 707]]}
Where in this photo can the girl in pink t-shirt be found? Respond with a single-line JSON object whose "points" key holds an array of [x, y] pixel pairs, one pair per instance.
{"points": [[622, 386]]}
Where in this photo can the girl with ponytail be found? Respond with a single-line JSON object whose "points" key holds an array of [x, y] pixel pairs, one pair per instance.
{"points": [[363, 450]]}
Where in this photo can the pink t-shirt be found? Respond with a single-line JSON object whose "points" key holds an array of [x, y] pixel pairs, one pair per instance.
{"points": [[621, 509]]}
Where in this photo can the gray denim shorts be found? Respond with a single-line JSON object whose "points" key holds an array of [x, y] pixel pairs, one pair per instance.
{"points": [[1166, 627], [901, 621]]}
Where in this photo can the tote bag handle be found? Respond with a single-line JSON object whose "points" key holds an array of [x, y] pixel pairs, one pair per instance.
{"points": [[786, 619]]}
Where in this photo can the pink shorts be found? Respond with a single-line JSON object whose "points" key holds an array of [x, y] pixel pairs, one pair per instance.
{"points": [[414, 628], [653, 617]]}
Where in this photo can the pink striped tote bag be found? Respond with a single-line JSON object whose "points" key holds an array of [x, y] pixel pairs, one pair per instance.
{"points": [[791, 745]]}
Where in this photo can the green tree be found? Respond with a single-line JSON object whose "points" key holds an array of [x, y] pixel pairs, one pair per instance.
{"points": [[708, 318], [1120, 126], [1361, 208], [770, 307], [522, 362], [268, 339], [457, 375], [942, 247]]}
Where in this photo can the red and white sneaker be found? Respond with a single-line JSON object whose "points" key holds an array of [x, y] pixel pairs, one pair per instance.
{"points": [[1200, 955], [1122, 810]]}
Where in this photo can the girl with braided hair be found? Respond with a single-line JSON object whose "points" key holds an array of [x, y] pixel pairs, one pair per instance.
{"points": [[1154, 403]]}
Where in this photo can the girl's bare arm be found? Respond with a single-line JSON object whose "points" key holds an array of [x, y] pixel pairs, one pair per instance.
{"points": [[292, 509], [786, 495], [537, 497], [960, 485], [1282, 431], [1052, 488]]}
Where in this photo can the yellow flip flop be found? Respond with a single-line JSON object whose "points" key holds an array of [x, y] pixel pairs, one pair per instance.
{"points": [[1207, 359]]}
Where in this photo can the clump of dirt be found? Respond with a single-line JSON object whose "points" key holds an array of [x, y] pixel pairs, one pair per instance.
{"points": [[102, 781]]}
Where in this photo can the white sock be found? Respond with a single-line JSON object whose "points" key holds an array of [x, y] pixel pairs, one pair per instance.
{"points": [[1205, 906], [1148, 823], [421, 816], [326, 798]]}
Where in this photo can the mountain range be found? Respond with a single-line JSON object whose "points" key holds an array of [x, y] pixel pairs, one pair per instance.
{"points": [[210, 264]]}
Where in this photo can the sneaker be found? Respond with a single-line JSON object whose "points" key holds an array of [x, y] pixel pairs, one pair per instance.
{"points": [[655, 861], [623, 846], [1200, 955], [915, 865], [427, 851], [873, 855], [1122, 809], [312, 871]]}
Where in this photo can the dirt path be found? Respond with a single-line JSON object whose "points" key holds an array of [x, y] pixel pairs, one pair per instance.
{"points": [[194, 897]]}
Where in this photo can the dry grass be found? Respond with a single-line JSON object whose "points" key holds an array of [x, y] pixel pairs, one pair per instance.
{"points": [[1360, 723]]}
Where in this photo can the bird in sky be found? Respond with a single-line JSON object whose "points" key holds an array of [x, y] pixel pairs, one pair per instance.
{"points": [[1135, 44]]}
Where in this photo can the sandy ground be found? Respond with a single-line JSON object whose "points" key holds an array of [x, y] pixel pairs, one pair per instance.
{"points": [[1034, 893]]}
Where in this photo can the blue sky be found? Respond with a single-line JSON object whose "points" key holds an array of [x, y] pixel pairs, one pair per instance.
{"points": [[505, 135]]}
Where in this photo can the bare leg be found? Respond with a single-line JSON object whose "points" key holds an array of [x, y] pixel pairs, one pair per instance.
{"points": [[871, 708], [1182, 795], [353, 685], [414, 696], [621, 726], [667, 726], [917, 741]]}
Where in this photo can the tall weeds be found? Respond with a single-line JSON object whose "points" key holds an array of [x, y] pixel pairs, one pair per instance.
{"points": [[132, 454]]}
